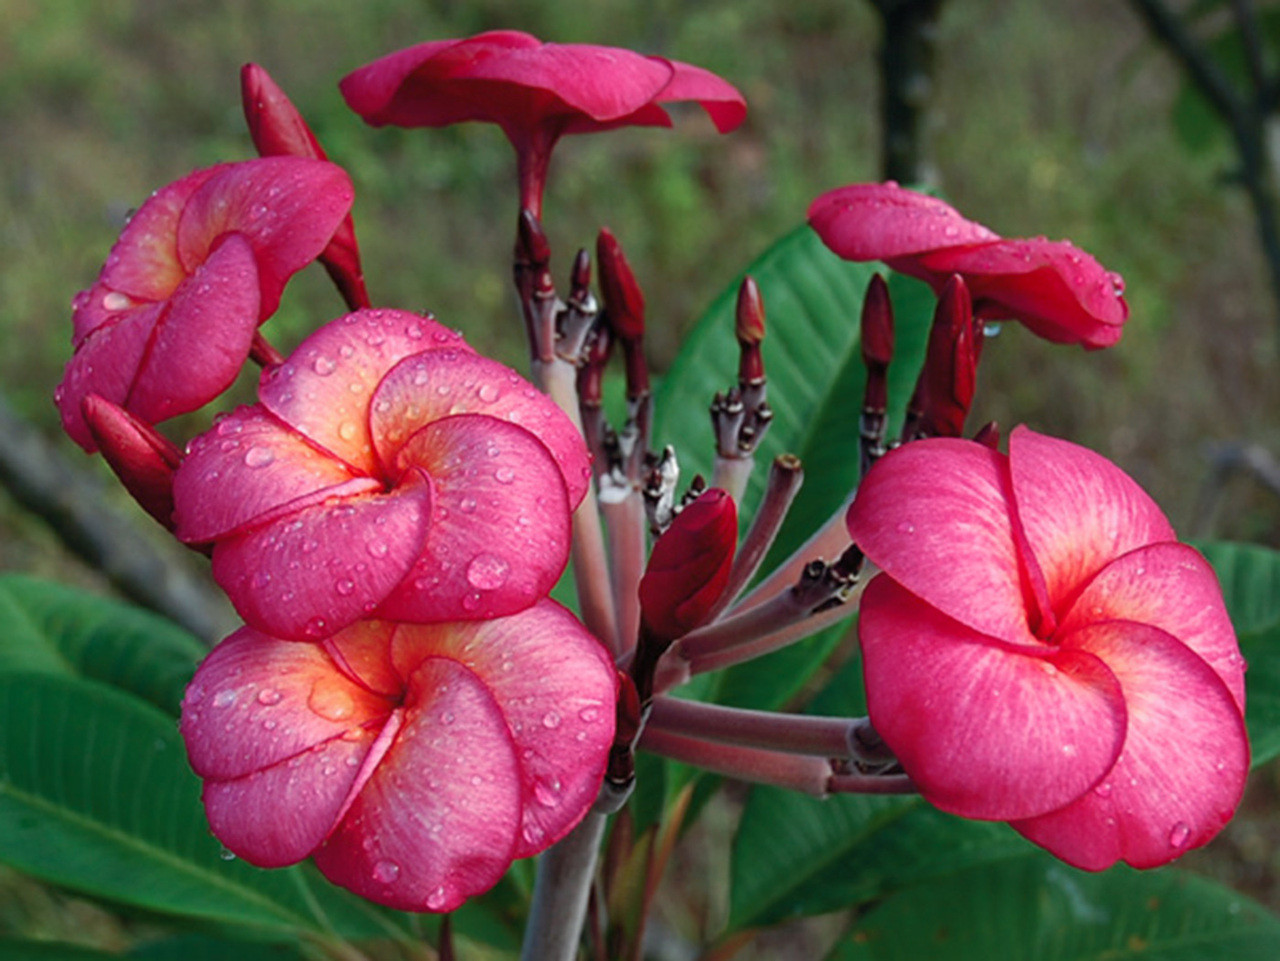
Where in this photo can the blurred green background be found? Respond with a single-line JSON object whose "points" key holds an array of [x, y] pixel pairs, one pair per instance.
{"points": [[1047, 118]]}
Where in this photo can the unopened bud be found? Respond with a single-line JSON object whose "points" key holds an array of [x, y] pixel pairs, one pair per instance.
{"points": [[623, 299], [749, 330], [143, 458], [689, 566], [877, 325], [950, 367], [275, 125]]}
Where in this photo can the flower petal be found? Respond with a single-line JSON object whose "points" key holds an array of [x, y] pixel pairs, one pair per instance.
{"points": [[556, 688], [248, 468], [441, 383], [315, 571], [500, 524], [934, 514], [1172, 587], [1183, 767], [324, 389], [721, 100], [985, 731], [884, 221], [1078, 511], [438, 820]]}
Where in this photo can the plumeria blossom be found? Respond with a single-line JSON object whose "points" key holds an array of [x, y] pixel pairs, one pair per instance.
{"points": [[1059, 291], [172, 316], [1041, 650], [414, 762], [689, 566], [536, 92], [387, 470]]}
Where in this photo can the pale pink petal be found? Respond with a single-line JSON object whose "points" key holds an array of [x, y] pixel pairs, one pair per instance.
{"points": [[248, 468], [1173, 588], [202, 336], [500, 522], [555, 686], [325, 387], [286, 207], [441, 383], [984, 730], [1078, 511], [884, 221], [313, 572], [934, 514], [438, 820], [1183, 767]]}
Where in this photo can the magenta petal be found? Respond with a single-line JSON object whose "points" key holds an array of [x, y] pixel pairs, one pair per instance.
{"points": [[104, 364], [719, 98], [442, 383], [437, 821], [202, 338], [1078, 511], [500, 525], [1171, 587], [934, 514], [313, 572], [325, 387], [884, 221], [556, 687], [1183, 767], [983, 730], [248, 468], [286, 207]]}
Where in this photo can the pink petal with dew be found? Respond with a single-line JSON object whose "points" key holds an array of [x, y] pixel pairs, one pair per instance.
{"points": [[1183, 767], [984, 730], [143, 266], [1078, 511], [556, 689], [104, 364], [1060, 291], [438, 384], [362, 652], [883, 221], [249, 468], [258, 700], [437, 821], [1173, 588], [202, 338], [934, 514], [500, 522], [324, 389], [286, 207], [311, 573], [719, 98]]}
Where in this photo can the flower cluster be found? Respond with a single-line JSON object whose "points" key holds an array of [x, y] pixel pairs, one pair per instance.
{"points": [[407, 706]]}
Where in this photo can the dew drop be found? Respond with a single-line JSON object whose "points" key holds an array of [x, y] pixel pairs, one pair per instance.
{"points": [[256, 457], [324, 366], [906, 528], [547, 794], [1069, 750], [471, 601], [487, 572], [504, 475], [345, 586], [115, 301], [551, 720], [377, 548], [226, 855], [347, 430], [588, 714], [269, 696], [1179, 834], [385, 872], [488, 393], [437, 899], [1103, 789], [990, 330], [225, 698]]}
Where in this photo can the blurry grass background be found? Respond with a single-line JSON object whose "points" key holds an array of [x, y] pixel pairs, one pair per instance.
{"points": [[1048, 118]]}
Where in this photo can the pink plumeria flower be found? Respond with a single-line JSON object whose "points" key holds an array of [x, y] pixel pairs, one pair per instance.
{"points": [[536, 92], [172, 316], [1059, 291], [414, 762], [1041, 650], [387, 470]]}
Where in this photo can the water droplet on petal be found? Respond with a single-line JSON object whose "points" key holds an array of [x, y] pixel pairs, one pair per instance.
{"points": [[258, 457], [487, 572], [589, 714], [385, 872], [437, 899], [551, 720], [226, 855], [905, 527], [504, 475], [1179, 834], [1103, 789], [225, 698], [488, 393], [471, 601], [324, 366], [269, 696]]}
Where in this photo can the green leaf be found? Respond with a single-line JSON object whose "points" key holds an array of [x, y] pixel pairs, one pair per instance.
{"points": [[1262, 694], [1033, 908], [96, 796], [1250, 578], [15, 950], [61, 630], [194, 947]]}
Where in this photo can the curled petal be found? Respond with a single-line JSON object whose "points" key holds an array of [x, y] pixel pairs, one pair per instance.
{"points": [[324, 389], [1181, 772], [984, 730], [499, 536], [443, 383], [555, 687], [317, 570], [1077, 510], [884, 221], [438, 819], [719, 98], [934, 514]]}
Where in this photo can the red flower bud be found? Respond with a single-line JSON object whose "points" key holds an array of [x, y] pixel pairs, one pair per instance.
{"points": [[950, 367], [749, 330], [689, 566], [141, 457], [623, 298]]}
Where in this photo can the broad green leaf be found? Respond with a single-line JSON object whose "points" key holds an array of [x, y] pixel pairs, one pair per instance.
{"points": [[1033, 908], [58, 629], [195, 947], [1262, 694], [15, 950], [96, 796], [1250, 578]]}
